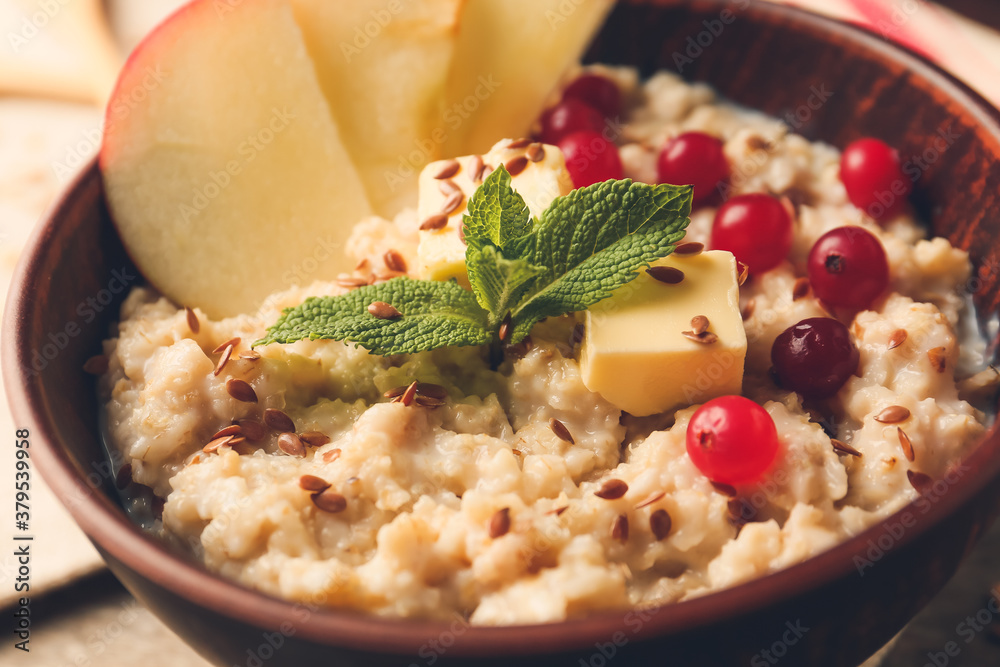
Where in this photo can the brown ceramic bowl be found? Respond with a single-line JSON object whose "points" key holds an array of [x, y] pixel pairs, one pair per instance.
{"points": [[770, 58]]}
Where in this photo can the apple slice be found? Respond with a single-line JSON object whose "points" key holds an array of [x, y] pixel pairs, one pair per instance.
{"points": [[509, 59], [383, 67], [225, 173]]}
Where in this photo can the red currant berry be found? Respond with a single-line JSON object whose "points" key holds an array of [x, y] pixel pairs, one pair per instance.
{"points": [[567, 117], [597, 91], [848, 267], [732, 440], [814, 357], [590, 158], [755, 227], [694, 158], [874, 179]]}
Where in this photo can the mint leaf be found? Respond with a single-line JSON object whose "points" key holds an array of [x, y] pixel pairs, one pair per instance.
{"points": [[498, 283], [496, 215], [434, 314], [596, 239]]}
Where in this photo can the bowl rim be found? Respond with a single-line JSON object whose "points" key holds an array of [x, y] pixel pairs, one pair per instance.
{"points": [[106, 524]]}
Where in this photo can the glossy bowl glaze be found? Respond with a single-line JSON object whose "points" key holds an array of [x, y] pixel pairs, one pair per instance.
{"points": [[831, 82]]}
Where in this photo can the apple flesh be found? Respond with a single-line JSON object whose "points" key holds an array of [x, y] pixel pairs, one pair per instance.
{"points": [[383, 67], [225, 174], [510, 58]]}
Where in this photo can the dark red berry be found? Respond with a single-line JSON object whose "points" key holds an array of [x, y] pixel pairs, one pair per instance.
{"points": [[567, 117], [598, 92], [732, 440], [756, 228], [848, 267], [814, 357], [874, 179], [694, 158], [590, 158]]}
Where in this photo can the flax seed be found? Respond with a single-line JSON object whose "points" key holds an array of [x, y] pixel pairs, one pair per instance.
{"points": [[520, 143], [241, 390], [313, 483], [500, 523], [651, 499], [249, 355], [314, 438], [516, 165], [223, 360], [743, 273], [232, 430], [561, 431], [406, 398], [476, 168], [431, 390], [278, 421], [234, 342], [660, 524], [330, 502], [452, 203], [331, 456], [428, 402], [214, 445], [192, 320], [705, 337], [434, 222], [842, 447], [559, 510], [535, 152], [897, 338], [291, 444], [504, 332], [612, 489], [352, 283], [448, 187], [893, 415], [619, 529], [252, 429], [689, 248], [699, 324], [448, 169], [395, 392], [666, 274], [383, 311], [96, 365], [919, 481], [906, 444]]}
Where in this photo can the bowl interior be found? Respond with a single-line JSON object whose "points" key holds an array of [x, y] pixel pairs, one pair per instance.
{"points": [[828, 80]]}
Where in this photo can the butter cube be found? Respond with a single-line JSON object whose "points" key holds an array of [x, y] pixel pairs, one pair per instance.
{"points": [[441, 253], [635, 355]]}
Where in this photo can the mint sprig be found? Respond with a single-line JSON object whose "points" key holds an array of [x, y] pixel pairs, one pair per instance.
{"points": [[584, 246]]}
